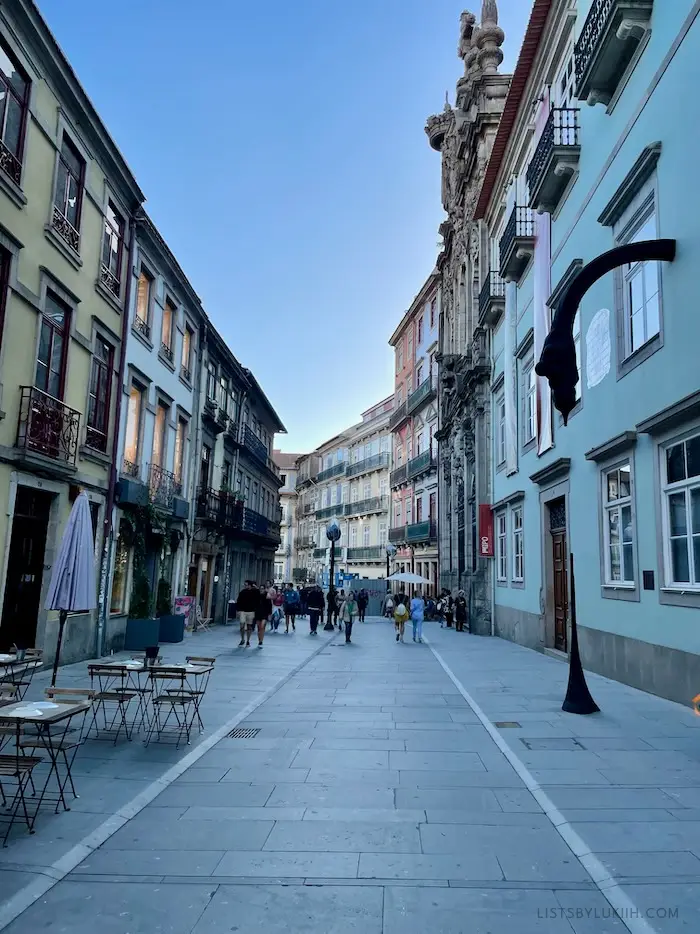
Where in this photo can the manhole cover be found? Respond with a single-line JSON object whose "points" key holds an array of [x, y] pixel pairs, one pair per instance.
{"points": [[243, 733], [553, 743], [507, 724]]}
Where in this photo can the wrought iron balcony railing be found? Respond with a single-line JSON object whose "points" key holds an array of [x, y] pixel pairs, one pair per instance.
{"points": [[208, 505], [365, 507], [109, 280], [65, 229], [96, 439], [10, 164], [186, 373], [398, 476], [305, 541], [337, 470], [163, 486], [257, 524], [491, 298], [166, 351], [555, 158], [375, 462], [397, 534], [47, 426], [131, 469], [421, 464], [425, 392], [421, 532], [327, 511], [367, 553], [142, 327], [517, 243], [320, 552], [398, 416]]}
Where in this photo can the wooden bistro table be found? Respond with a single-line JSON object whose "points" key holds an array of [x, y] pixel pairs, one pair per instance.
{"points": [[18, 673], [52, 721]]}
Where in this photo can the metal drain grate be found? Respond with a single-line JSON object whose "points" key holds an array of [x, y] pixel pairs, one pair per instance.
{"points": [[507, 724], [243, 733]]}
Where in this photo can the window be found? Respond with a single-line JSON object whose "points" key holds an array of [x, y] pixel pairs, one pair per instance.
{"points": [[409, 449], [516, 519], [419, 508], [617, 526], [366, 531], [283, 479], [53, 347], [384, 486], [99, 396], [399, 356], [385, 444], [420, 330], [142, 318], [159, 436], [246, 493], [353, 536], [186, 361], [408, 506], [681, 473], [419, 375], [355, 493], [501, 554], [419, 442], [367, 490], [69, 193], [112, 248], [167, 330], [14, 99], [501, 430], [577, 349], [333, 496], [397, 515], [345, 498], [4, 283], [530, 399], [382, 534], [226, 472], [641, 292], [433, 312], [433, 507], [180, 442], [255, 496], [433, 442], [133, 430], [399, 455], [211, 382], [119, 577], [399, 397]]}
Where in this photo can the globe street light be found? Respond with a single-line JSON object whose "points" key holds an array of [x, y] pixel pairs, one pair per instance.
{"points": [[333, 535], [390, 552]]}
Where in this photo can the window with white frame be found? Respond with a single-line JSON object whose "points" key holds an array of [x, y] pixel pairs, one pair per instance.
{"points": [[353, 536], [641, 293], [367, 490], [501, 548], [383, 486], [501, 430], [618, 530], [365, 535], [516, 522], [382, 534], [529, 402], [680, 472], [397, 515]]}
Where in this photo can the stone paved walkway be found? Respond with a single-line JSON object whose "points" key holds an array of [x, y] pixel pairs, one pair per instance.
{"points": [[383, 793]]}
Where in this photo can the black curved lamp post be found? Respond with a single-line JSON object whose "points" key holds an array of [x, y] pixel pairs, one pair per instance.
{"points": [[333, 535], [557, 364]]}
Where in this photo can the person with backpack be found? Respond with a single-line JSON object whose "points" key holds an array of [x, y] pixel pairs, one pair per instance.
{"points": [[388, 609], [348, 612], [362, 601], [417, 615], [401, 614], [292, 604]]}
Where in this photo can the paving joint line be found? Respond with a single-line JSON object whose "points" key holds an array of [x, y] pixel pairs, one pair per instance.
{"points": [[34, 890], [623, 906]]}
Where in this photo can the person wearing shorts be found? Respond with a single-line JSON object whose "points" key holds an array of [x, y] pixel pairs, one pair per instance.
{"points": [[263, 612], [246, 605]]}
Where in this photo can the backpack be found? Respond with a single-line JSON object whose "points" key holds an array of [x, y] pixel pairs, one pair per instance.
{"points": [[401, 609]]}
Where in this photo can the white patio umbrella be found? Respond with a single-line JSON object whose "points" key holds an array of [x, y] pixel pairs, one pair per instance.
{"points": [[406, 577], [72, 587]]}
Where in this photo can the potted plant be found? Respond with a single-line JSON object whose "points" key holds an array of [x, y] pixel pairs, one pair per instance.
{"points": [[141, 626], [171, 626]]}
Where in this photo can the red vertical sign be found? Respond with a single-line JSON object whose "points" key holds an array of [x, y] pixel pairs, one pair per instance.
{"points": [[485, 531]]}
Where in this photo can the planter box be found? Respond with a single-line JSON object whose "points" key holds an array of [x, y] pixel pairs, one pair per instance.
{"points": [[141, 633], [171, 628]]}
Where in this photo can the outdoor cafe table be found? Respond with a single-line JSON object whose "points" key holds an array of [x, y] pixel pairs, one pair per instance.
{"points": [[197, 679], [135, 669], [18, 673], [53, 722]]}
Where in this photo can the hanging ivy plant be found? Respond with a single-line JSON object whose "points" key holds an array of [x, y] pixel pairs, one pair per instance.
{"points": [[141, 519]]}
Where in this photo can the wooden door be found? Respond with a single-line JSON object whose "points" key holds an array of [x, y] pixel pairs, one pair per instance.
{"points": [[561, 589]]}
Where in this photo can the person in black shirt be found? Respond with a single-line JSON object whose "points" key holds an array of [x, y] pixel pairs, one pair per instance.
{"points": [[246, 605], [263, 612], [460, 611], [316, 605], [362, 601]]}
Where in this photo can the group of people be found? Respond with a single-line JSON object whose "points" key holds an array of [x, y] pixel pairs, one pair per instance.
{"points": [[257, 606], [421, 607]]}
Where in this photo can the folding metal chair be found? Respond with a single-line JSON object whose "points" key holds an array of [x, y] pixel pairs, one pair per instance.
{"points": [[202, 624], [113, 688], [19, 768], [200, 688], [171, 703], [68, 743]]}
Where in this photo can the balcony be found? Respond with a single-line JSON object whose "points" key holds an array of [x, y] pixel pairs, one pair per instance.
{"points": [[47, 426], [517, 244], [255, 523], [398, 416], [163, 487], [131, 469], [230, 512], [96, 439], [608, 41], [555, 159], [307, 509], [185, 373], [10, 164], [305, 541], [208, 507], [367, 553], [366, 507], [320, 552], [250, 441], [375, 462], [109, 280], [398, 534], [492, 299], [222, 418], [398, 476], [65, 229], [337, 470], [142, 327], [424, 463], [328, 511], [421, 532], [425, 393]]}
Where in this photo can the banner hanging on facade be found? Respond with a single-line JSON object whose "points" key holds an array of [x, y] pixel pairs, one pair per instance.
{"points": [[542, 291], [486, 549]]}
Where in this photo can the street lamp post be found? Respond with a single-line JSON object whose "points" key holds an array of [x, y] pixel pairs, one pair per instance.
{"points": [[390, 552], [333, 535]]}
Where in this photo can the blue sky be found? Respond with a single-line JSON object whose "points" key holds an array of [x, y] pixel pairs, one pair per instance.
{"points": [[281, 149]]}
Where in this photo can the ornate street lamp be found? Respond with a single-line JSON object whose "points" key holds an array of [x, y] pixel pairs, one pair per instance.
{"points": [[557, 364], [390, 552], [333, 535]]}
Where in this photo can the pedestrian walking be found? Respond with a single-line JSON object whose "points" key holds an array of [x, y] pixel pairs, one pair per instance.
{"points": [[460, 611], [263, 612], [388, 608], [302, 602], [362, 601], [417, 616], [401, 614], [277, 608], [291, 606], [247, 605], [348, 612], [304, 594], [316, 605], [449, 609]]}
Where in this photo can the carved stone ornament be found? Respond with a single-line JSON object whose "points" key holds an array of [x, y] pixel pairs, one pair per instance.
{"points": [[490, 38], [467, 22]]}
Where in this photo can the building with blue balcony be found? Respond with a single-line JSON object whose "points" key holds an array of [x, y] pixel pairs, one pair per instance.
{"points": [[602, 160]]}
